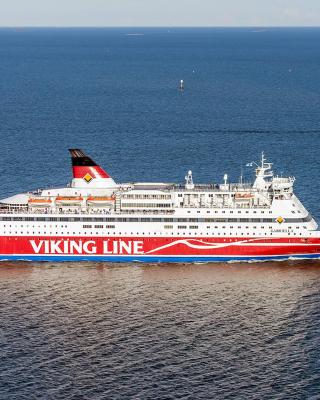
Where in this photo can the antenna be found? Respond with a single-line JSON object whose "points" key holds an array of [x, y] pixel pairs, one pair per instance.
{"points": [[225, 178], [189, 180], [241, 174]]}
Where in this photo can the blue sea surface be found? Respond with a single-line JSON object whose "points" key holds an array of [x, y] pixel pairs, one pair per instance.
{"points": [[219, 331]]}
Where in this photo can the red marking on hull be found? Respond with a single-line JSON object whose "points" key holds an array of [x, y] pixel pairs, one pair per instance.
{"points": [[177, 246]]}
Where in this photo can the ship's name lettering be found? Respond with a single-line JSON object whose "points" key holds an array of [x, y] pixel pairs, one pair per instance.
{"points": [[87, 247]]}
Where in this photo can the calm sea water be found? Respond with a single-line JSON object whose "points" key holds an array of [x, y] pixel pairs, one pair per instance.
{"points": [[99, 331]]}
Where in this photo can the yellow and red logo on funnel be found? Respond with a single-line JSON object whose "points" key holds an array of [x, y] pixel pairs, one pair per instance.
{"points": [[88, 178]]}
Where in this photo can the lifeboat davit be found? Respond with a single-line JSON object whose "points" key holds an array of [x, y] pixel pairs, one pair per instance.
{"points": [[39, 202], [69, 200], [100, 200]]}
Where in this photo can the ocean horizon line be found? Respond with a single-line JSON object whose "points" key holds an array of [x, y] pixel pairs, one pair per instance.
{"points": [[159, 26]]}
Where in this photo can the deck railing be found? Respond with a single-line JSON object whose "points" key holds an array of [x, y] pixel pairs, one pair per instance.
{"points": [[50, 211]]}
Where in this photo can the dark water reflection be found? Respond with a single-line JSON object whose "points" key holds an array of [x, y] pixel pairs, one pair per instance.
{"points": [[99, 331]]}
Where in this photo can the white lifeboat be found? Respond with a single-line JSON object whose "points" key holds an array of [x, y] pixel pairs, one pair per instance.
{"points": [[244, 196], [95, 200], [69, 200], [39, 202]]}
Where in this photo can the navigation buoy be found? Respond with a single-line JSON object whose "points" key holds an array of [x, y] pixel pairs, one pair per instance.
{"points": [[181, 84]]}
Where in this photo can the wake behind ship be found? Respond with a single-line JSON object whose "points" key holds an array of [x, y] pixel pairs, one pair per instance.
{"points": [[94, 218]]}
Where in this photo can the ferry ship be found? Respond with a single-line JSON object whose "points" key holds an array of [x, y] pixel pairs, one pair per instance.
{"points": [[95, 218]]}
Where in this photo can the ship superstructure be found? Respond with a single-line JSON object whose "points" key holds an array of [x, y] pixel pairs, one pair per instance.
{"points": [[97, 219]]}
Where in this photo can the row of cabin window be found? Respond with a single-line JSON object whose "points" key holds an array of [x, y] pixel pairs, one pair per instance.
{"points": [[240, 212], [147, 196], [145, 205], [128, 219], [86, 233], [165, 227]]}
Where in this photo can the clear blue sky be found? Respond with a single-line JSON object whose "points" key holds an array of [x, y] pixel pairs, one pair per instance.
{"points": [[159, 12]]}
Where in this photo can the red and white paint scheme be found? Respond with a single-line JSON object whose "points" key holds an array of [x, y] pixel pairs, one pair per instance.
{"points": [[94, 218]]}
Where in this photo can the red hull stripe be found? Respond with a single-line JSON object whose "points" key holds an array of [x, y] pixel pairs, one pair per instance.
{"points": [[153, 247]]}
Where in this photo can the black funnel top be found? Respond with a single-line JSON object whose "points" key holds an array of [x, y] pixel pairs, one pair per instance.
{"points": [[79, 159]]}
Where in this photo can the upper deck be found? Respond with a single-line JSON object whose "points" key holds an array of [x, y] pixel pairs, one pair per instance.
{"points": [[92, 191]]}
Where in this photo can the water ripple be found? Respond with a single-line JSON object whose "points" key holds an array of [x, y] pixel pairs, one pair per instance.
{"points": [[168, 332]]}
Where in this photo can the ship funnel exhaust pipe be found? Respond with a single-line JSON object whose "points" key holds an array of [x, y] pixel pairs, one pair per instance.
{"points": [[88, 172]]}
